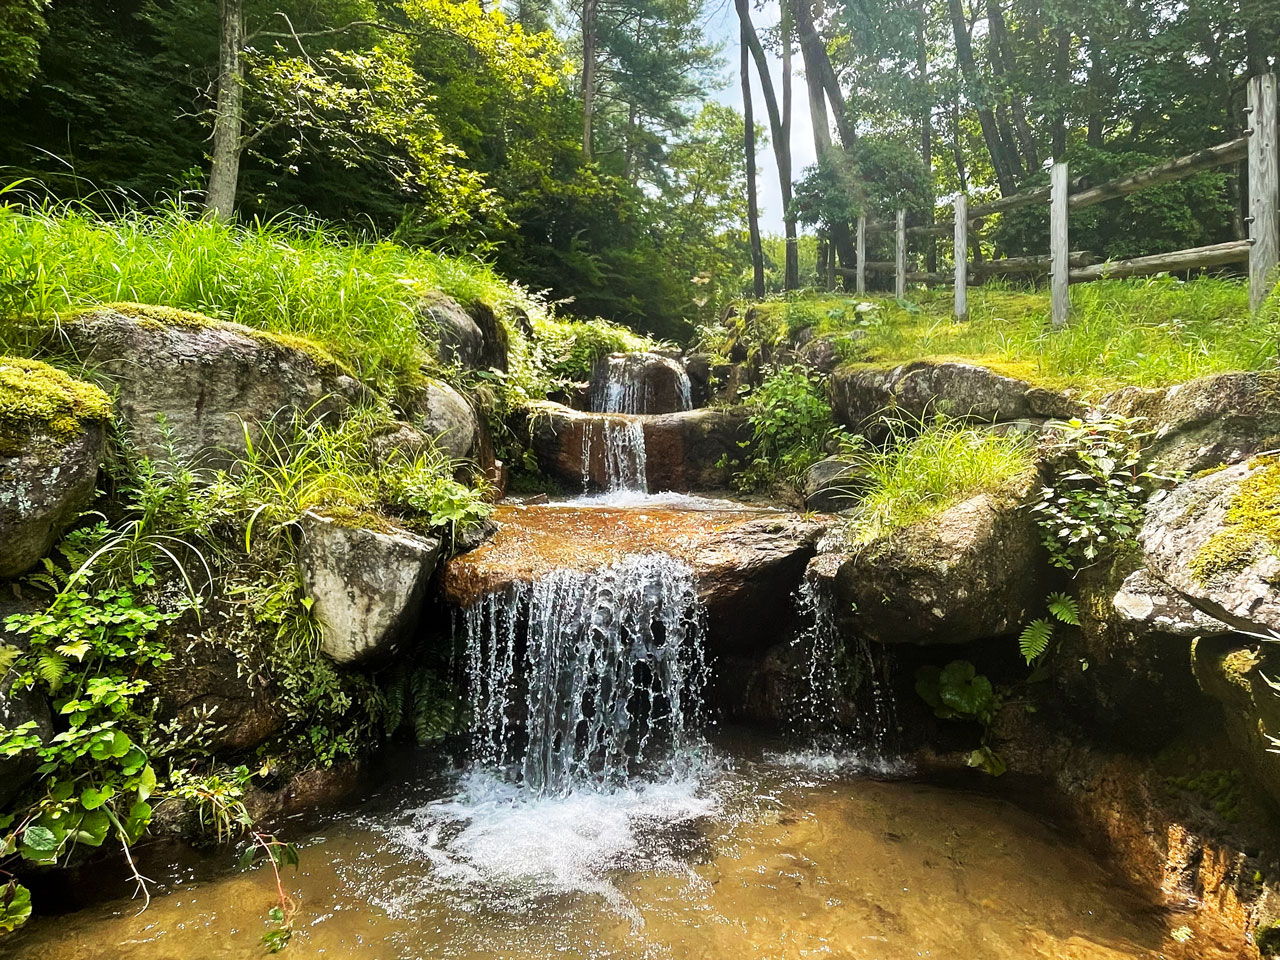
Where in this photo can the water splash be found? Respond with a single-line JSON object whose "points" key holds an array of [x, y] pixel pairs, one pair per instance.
{"points": [[628, 385], [579, 679], [844, 709], [621, 462]]}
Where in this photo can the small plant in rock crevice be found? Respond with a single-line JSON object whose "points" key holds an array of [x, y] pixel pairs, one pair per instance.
{"points": [[1038, 634], [1094, 501], [958, 692]]}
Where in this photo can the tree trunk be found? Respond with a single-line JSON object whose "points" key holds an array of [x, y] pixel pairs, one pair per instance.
{"points": [[588, 72], [1097, 93], [228, 119], [1021, 140], [1005, 175], [791, 275], [779, 126], [926, 126], [817, 66], [749, 145]]}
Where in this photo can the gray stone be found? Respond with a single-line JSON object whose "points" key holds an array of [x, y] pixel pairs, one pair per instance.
{"points": [[474, 339], [862, 396], [1190, 526], [969, 573], [1208, 422], [825, 353], [367, 586], [190, 388], [832, 485], [1146, 604], [444, 415], [46, 481]]}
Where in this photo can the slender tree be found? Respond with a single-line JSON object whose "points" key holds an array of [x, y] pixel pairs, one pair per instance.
{"points": [[589, 10], [224, 159], [749, 145]]}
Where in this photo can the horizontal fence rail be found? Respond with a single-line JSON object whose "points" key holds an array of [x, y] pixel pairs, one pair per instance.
{"points": [[1260, 146]]}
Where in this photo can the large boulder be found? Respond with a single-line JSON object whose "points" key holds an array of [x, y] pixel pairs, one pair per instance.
{"points": [[52, 441], [1215, 540], [1147, 604], [443, 415], [474, 338], [968, 573], [192, 388], [366, 585], [1208, 422], [640, 383], [861, 395]]}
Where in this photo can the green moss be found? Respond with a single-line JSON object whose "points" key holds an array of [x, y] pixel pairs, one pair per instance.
{"points": [[1252, 523], [356, 517], [35, 397]]}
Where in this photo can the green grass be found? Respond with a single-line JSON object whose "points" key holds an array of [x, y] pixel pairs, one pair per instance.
{"points": [[1148, 332], [919, 476], [293, 277]]}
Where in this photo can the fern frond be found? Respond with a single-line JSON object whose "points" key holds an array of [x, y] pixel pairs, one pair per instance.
{"points": [[1035, 639], [1064, 607], [51, 668]]}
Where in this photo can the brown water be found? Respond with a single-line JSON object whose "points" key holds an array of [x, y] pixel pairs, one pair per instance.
{"points": [[752, 859]]}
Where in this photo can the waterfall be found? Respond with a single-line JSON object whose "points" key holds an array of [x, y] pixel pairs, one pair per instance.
{"points": [[628, 384], [578, 679], [840, 674], [622, 459]]}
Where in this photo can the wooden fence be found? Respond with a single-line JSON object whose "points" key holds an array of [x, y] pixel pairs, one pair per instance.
{"points": [[1261, 250]]}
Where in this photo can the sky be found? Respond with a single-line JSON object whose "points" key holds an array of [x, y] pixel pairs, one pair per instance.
{"points": [[722, 25]]}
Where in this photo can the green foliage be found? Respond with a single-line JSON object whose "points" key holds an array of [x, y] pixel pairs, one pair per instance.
{"points": [[421, 700], [791, 428], [1037, 635], [22, 26], [920, 474], [1094, 502], [958, 692], [1219, 790]]}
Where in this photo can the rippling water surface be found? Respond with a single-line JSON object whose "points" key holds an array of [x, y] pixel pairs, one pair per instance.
{"points": [[794, 856]]}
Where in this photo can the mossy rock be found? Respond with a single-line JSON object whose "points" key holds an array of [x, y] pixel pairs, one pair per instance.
{"points": [[52, 440], [197, 390]]}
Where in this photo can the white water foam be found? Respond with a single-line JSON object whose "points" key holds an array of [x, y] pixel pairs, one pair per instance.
{"points": [[634, 499]]}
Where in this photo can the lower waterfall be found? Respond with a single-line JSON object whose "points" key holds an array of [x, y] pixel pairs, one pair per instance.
{"points": [[578, 679], [620, 458]]}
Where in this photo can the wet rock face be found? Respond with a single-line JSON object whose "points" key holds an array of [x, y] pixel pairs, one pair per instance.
{"points": [[1213, 541], [46, 481], [686, 451], [640, 383], [216, 687], [1145, 603], [1236, 672], [683, 452], [367, 585], [746, 564], [474, 338], [1202, 424], [189, 387], [969, 573], [861, 395]]}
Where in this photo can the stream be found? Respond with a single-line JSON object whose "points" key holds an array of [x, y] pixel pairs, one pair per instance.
{"points": [[745, 854]]}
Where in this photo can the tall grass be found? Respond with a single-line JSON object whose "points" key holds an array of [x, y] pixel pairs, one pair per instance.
{"points": [[287, 276], [1149, 331], [918, 476]]}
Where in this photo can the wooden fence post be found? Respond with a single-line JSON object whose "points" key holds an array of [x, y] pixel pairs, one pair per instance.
{"points": [[1264, 185], [1059, 293], [900, 257], [862, 254], [962, 257]]}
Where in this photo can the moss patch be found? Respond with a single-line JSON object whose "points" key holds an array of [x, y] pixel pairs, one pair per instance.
{"points": [[1252, 522], [38, 398]]}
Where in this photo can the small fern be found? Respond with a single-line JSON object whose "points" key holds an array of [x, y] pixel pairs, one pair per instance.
{"points": [[51, 667], [1035, 639], [1064, 607]]}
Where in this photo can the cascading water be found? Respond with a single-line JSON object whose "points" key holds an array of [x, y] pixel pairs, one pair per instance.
{"points": [[628, 385], [841, 676], [579, 679], [620, 463]]}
